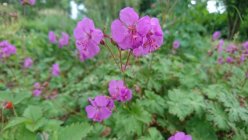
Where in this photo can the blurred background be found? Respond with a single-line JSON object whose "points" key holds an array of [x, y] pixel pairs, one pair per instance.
{"points": [[229, 16]]}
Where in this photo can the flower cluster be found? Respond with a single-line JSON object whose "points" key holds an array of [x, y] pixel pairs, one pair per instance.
{"points": [[37, 89], [232, 53], [28, 62], [216, 35], [87, 39], [55, 70], [118, 91], [100, 109], [180, 136], [29, 2], [6, 49], [141, 35], [63, 41]]}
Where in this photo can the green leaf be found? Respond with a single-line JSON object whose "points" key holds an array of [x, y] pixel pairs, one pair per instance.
{"points": [[153, 134], [235, 111], [153, 103], [16, 121], [33, 112], [200, 129], [218, 116], [182, 103], [74, 131]]}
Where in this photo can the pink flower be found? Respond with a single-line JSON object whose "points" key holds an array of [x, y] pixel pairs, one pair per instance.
{"points": [[180, 136], [28, 62], [64, 40], [55, 70], [30, 2], [229, 60], [52, 37], [125, 31], [220, 60], [100, 109], [243, 57], [119, 91], [245, 45], [6, 49], [216, 35], [36, 92], [220, 46], [87, 39], [125, 94], [153, 37], [37, 85], [176, 44], [231, 48]]}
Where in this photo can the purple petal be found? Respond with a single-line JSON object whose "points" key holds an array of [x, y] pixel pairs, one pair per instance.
{"points": [[85, 25], [96, 36], [128, 16], [144, 25], [101, 101], [105, 113], [179, 136], [91, 111], [118, 31]]}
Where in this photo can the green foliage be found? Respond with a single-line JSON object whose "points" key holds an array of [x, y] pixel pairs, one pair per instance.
{"points": [[182, 90], [183, 103]]}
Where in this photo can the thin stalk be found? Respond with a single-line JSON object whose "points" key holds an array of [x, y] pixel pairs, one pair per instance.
{"points": [[120, 57], [127, 60], [2, 118], [112, 54], [14, 111]]}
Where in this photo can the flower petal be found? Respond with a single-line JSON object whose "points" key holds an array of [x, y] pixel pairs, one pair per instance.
{"points": [[144, 25], [101, 101], [96, 36], [91, 111], [118, 31], [128, 16]]}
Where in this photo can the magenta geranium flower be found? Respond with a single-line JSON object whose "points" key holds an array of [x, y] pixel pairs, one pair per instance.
{"points": [[52, 37], [229, 59], [87, 39], [37, 92], [6, 49], [125, 94], [125, 31], [220, 60], [28, 62], [152, 36], [180, 136], [231, 48], [219, 47], [245, 45], [55, 70], [243, 57], [64, 40], [37, 89], [100, 109], [30, 2], [216, 35], [118, 91], [176, 44], [37, 85]]}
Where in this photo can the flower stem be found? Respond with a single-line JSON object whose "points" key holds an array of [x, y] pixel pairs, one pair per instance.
{"points": [[127, 60], [112, 54], [2, 119]]}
